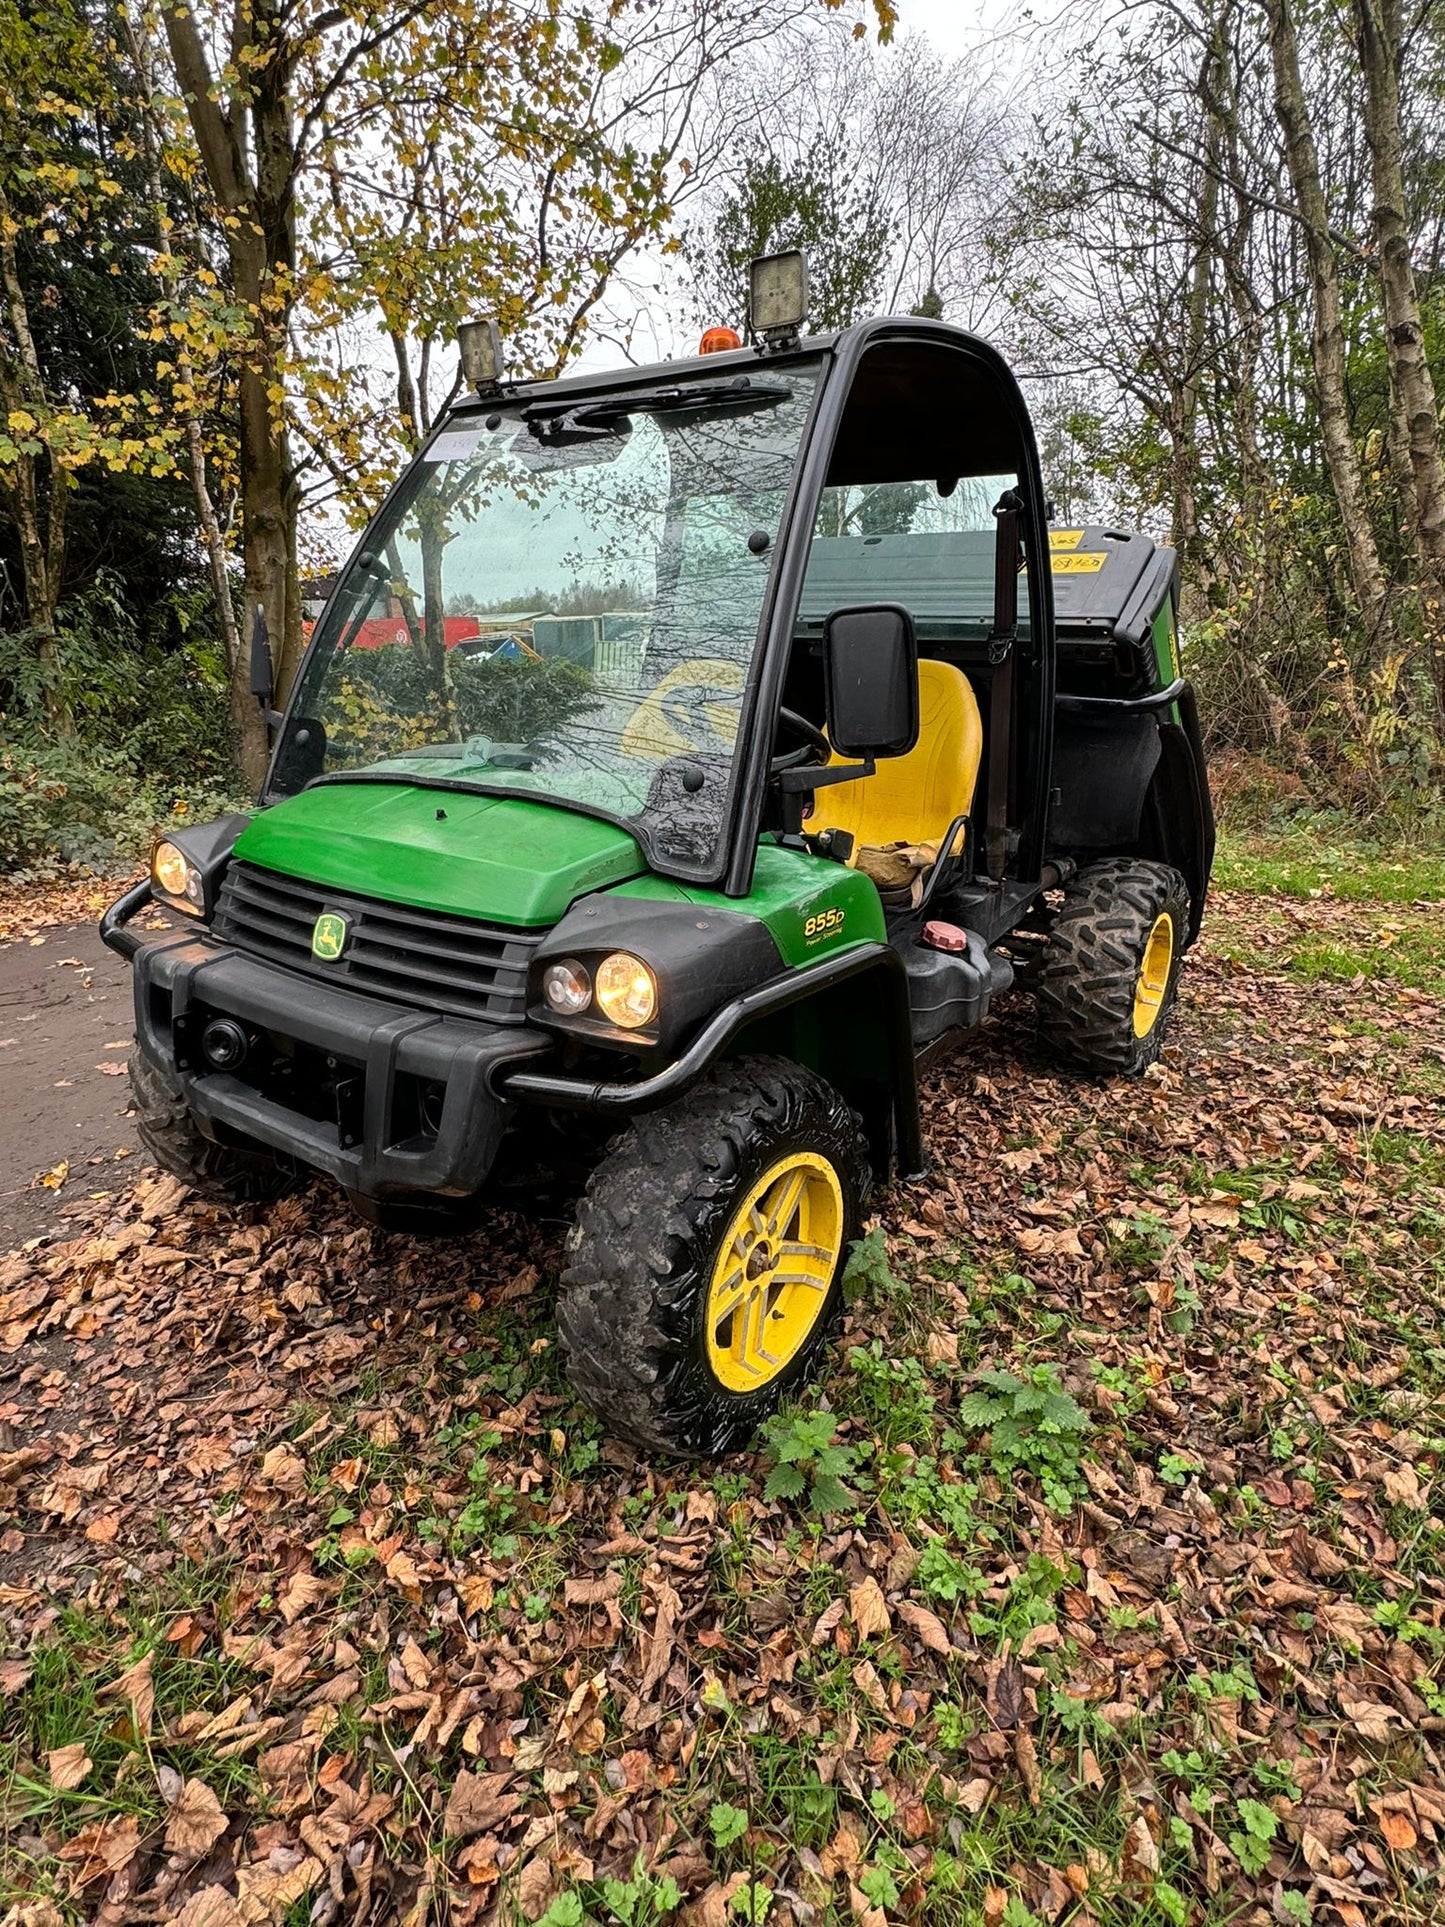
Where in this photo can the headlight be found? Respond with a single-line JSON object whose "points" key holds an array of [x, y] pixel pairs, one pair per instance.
{"points": [[567, 988], [626, 990], [175, 874]]}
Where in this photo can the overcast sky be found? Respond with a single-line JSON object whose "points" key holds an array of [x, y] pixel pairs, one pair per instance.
{"points": [[949, 24]]}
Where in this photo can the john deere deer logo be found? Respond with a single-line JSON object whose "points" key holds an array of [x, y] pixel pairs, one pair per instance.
{"points": [[328, 939]]}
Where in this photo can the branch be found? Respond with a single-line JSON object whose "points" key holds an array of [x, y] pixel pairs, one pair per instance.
{"points": [[215, 131]]}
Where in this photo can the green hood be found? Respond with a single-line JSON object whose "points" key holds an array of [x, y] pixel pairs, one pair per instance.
{"points": [[502, 859]]}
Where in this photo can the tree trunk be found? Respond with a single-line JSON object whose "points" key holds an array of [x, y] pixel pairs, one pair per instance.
{"points": [[1378, 37], [1328, 340], [268, 528], [142, 51], [39, 515], [255, 188], [1184, 409]]}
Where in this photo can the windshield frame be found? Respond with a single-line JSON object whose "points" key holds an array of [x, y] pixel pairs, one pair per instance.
{"points": [[813, 356]]}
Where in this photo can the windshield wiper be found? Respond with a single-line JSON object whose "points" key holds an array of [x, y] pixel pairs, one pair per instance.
{"points": [[554, 421]]}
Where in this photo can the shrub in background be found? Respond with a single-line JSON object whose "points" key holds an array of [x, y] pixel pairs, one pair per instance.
{"points": [[152, 742]]}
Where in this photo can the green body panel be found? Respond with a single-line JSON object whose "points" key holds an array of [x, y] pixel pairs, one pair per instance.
{"points": [[1166, 653], [812, 907], [501, 859]]}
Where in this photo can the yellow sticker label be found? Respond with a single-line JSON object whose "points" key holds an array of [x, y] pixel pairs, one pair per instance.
{"points": [[1065, 538], [1087, 564], [827, 923]]}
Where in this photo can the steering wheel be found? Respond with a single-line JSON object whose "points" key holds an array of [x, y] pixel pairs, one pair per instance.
{"points": [[811, 753]]}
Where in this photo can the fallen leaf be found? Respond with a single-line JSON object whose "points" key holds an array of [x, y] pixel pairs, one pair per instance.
{"points": [[414, 1663], [827, 1623], [1402, 1487], [1139, 1864], [136, 1687], [477, 1802], [927, 1625], [209, 1907], [282, 1468], [1398, 1831], [1026, 1757], [68, 1765], [301, 1590], [102, 1849], [196, 1823], [868, 1609]]}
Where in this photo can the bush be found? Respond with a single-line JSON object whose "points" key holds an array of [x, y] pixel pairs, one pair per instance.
{"points": [[83, 804], [519, 702], [152, 743]]}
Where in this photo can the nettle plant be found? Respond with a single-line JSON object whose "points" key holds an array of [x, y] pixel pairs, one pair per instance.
{"points": [[1034, 1426], [809, 1465]]}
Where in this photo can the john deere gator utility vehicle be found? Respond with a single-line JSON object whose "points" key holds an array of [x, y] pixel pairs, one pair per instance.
{"points": [[684, 753]]}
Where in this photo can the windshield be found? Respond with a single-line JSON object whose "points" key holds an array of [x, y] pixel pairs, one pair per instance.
{"points": [[563, 602]]}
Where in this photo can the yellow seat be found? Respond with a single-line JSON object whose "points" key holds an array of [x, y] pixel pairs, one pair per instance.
{"points": [[913, 798]]}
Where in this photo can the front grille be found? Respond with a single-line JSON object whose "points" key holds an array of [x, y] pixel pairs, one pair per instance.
{"points": [[420, 957]]}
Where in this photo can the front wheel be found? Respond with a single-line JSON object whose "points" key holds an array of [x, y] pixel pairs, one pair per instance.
{"points": [[1110, 971], [706, 1263], [169, 1133]]}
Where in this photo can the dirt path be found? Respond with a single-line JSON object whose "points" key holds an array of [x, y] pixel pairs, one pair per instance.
{"points": [[65, 1025]]}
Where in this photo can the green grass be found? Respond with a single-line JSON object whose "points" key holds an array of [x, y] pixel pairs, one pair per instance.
{"points": [[68, 1701], [1406, 948], [1297, 862]]}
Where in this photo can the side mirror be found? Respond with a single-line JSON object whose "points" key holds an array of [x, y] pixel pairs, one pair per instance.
{"points": [[870, 680], [263, 675]]}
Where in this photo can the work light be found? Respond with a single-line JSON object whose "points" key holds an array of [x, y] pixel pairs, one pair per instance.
{"points": [[778, 297], [480, 343]]}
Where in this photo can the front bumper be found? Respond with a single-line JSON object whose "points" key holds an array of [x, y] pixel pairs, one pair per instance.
{"points": [[392, 1102]]}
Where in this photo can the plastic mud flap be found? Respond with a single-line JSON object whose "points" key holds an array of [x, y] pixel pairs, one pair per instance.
{"points": [[390, 1101]]}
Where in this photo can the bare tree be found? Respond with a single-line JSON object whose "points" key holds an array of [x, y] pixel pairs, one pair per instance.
{"points": [[1378, 37]]}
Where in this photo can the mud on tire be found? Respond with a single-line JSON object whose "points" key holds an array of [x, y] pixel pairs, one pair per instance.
{"points": [[169, 1133], [1092, 965], [648, 1230]]}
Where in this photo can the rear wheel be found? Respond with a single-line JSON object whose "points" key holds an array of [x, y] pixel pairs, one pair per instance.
{"points": [[1110, 972], [170, 1134], [707, 1259]]}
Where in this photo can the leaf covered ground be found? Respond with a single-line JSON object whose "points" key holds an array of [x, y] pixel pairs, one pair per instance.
{"points": [[1101, 1580]]}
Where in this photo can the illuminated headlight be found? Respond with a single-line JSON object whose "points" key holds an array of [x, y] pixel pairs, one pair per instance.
{"points": [[567, 988], [173, 872], [626, 990]]}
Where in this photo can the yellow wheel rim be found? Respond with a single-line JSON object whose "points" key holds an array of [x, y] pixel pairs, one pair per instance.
{"points": [[773, 1271], [1154, 974]]}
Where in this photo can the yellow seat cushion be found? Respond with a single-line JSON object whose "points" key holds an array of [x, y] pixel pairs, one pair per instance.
{"points": [[913, 798]]}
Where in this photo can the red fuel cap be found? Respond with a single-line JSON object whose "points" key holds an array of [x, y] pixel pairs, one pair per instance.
{"points": [[945, 936]]}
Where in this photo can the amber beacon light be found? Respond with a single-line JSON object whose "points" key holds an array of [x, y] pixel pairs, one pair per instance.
{"points": [[717, 341]]}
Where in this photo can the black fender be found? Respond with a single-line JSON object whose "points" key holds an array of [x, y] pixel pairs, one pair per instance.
{"points": [[825, 1016], [1178, 820], [1133, 782]]}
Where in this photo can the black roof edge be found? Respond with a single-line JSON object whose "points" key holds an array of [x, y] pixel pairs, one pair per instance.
{"points": [[734, 361]]}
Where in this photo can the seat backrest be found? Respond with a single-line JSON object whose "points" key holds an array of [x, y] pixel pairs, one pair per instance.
{"points": [[914, 798]]}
